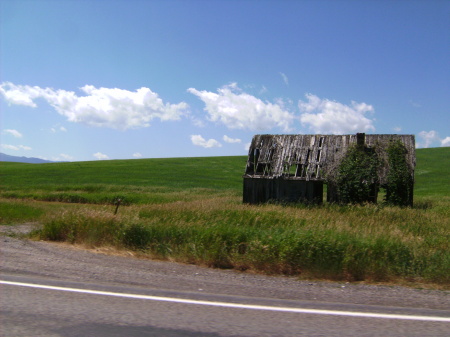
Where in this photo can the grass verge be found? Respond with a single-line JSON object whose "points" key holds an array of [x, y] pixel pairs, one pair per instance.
{"points": [[353, 243]]}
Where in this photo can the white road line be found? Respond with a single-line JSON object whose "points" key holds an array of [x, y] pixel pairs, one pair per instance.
{"points": [[233, 305]]}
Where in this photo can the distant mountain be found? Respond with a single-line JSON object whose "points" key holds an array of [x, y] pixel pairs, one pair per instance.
{"points": [[6, 157]]}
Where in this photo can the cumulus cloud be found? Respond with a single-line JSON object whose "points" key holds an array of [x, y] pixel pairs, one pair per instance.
{"points": [[239, 110], [445, 142], [325, 116], [101, 107], [427, 138], [227, 139], [13, 133], [100, 156], [21, 95], [431, 138], [137, 155], [16, 147], [198, 140]]}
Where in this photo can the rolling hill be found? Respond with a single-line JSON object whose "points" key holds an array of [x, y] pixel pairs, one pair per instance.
{"points": [[16, 159]]}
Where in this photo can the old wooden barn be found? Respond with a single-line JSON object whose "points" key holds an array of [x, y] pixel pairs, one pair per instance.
{"points": [[293, 168]]}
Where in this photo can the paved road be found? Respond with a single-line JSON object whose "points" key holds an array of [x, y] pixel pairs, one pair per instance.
{"points": [[90, 294]]}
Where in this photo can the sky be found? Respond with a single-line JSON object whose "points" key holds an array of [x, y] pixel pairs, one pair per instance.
{"points": [[111, 79]]}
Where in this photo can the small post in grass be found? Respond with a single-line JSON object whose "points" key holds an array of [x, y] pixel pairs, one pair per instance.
{"points": [[118, 204]]}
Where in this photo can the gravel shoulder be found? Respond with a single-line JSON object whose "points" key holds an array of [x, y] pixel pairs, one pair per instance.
{"points": [[64, 262]]}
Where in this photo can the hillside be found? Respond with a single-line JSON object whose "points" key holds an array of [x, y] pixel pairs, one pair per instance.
{"points": [[16, 159], [432, 175]]}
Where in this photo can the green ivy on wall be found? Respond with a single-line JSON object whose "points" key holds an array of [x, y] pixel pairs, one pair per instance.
{"points": [[357, 177], [400, 181]]}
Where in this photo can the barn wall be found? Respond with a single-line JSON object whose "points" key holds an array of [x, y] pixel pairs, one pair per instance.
{"points": [[261, 190]]}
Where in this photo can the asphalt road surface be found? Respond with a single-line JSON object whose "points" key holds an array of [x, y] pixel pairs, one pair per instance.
{"points": [[49, 289]]}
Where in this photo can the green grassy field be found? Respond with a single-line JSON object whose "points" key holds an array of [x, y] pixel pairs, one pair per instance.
{"points": [[135, 181], [190, 210], [432, 175]]}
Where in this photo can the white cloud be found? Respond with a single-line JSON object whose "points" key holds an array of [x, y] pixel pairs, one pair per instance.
{"points": [[238, 110], [428, 138], [285, 78], [12, 132], [325, 116], [10, 147], [102, 107], [445, 142], [56, 129], [66, 156], [198, 140], [197, 122], [431, 138], [100, 156], [397, 129], [19, 94], [63, 157], [16, 147], [137, 155], [231, 140]]}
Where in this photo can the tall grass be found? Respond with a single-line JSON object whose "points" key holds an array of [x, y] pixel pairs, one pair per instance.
{"points": [[91, 227], [334, 242]]}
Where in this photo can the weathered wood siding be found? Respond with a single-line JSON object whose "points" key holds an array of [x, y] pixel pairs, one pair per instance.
{"points": [[261, 190]]}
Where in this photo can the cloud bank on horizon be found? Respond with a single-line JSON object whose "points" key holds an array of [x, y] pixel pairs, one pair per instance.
{"points": [[229, 107]]}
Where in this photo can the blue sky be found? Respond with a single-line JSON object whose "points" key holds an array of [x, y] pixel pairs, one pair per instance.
{"points": [[91, 80]]}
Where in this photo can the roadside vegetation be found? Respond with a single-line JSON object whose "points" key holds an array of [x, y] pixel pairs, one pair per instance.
{"points": [[190, 210]]}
